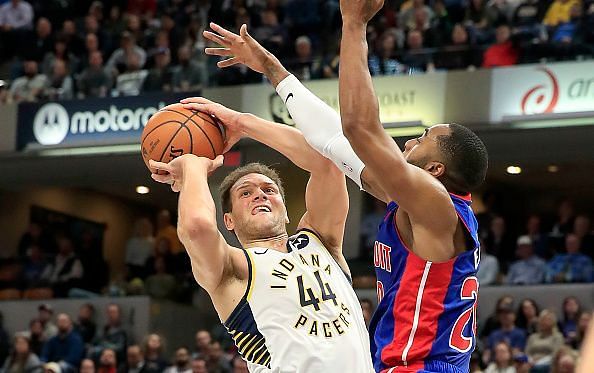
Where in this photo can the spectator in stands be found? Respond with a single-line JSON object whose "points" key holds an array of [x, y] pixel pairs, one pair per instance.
{"points": [[522, 363], [134, 27], [367, 308], [499, 12], [16, 15], [459, 53], [115, 23], [135, 360], [161, 285], [543, 344], [383, 62], [527, 316], [85, 325], [114, 336], [165, 229], [568, 31], [94, 80], [129, 83], [503, 360], [239, 365], [160, 77], [573, 266], [582, 328], [582, 229], [35, 336], [588, 18], [565, 219], [60, 85], [199, 366], [30, 86], [153, 353], [559, 11], [66, 348], [492, 323], [45, 313], [564, 360], [92, 26], [108, 362], [504, 52], [217, 362], [408, 16], [529, 13], [488, 271], [188, 76], [87, 366], [121, 57], [60, 52], [69, 34], [181, 362], [139, 248], [35, 45], [4, 341], [203, 340], [417, 58], [528, 269], [91, 46], [33, 267], [22, 359], [571, 313], [35, 236], [508, 333], [331, 65], [270, 33], [304, 66], [539, 240], [477, 17], [66, 271], [499, 242]]}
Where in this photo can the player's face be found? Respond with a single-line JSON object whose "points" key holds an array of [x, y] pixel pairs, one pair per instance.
{"points": [[424, 149], [258, 208]]}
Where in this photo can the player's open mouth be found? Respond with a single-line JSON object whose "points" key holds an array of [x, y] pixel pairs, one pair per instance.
{"points": [[259, 209]]}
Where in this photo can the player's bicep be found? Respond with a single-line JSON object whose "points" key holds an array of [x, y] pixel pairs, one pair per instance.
{"points": [[327, 206]]}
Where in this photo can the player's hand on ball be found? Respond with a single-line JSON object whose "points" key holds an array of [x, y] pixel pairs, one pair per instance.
{"points": [[174, 170], [229, 118], [240, 48], [360, 10]]}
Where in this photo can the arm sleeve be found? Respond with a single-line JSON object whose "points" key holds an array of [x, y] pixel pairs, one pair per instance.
{"points": [[321, 126]]}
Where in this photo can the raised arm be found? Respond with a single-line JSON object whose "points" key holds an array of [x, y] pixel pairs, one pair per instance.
{"points": [[209, 253], [415, 190], [319, 123], [326, 197]]}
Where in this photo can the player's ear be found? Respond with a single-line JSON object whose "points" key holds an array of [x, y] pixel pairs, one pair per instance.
{"points": [[436, 169], [228, 220]]}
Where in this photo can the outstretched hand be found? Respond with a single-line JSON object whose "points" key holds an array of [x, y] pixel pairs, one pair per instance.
{"points": [[240, 48], [360, 10], [229, 118]]}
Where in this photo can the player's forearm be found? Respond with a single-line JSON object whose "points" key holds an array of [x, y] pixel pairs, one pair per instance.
{"points": [[196, 207], [274, 70], [284, 139]]}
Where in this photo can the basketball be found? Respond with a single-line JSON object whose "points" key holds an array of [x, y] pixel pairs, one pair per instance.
{"points": [[174, 131]]}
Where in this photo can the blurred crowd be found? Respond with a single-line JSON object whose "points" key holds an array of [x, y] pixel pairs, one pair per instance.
{"points": [[50, 263], [59, 343], [538, 250], [64, 49], [521, 337]]}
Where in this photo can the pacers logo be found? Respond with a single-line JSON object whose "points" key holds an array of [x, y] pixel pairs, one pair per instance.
{"points": [[50, 125], [541, 98]]}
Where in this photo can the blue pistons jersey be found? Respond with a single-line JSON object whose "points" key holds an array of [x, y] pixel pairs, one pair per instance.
{"points": [[426, 315]]}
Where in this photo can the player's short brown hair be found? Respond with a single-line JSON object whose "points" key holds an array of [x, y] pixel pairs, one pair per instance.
{"points": [[251, 168]]}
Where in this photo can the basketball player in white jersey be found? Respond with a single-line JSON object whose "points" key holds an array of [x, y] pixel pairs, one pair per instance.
{"points": [[287, 301]]}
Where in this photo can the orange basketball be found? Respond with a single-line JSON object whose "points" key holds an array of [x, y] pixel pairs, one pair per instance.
{"points": [[174, 131]]}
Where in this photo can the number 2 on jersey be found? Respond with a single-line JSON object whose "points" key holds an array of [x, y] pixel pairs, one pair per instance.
{"points": [[312, 300], [458, 341]]}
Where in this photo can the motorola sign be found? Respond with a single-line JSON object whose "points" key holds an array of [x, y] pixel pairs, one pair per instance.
{"points": [[91, 122], [51, 124]]}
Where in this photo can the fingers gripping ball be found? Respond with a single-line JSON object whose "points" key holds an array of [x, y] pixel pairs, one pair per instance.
{"points": [[174, 131]]}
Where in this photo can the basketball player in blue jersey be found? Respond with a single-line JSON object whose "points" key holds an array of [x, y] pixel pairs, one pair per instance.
{"points": [[427, 252], [286, 301]]}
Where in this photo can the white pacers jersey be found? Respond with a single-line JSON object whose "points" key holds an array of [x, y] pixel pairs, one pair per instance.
{"points": [[300, 313]]}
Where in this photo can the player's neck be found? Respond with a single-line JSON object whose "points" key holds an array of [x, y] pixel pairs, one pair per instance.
{"points": [[278, 243]]}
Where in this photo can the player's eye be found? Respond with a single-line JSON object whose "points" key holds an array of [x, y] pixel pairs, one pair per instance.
{"points": [[269, 190], [245, 193]]}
